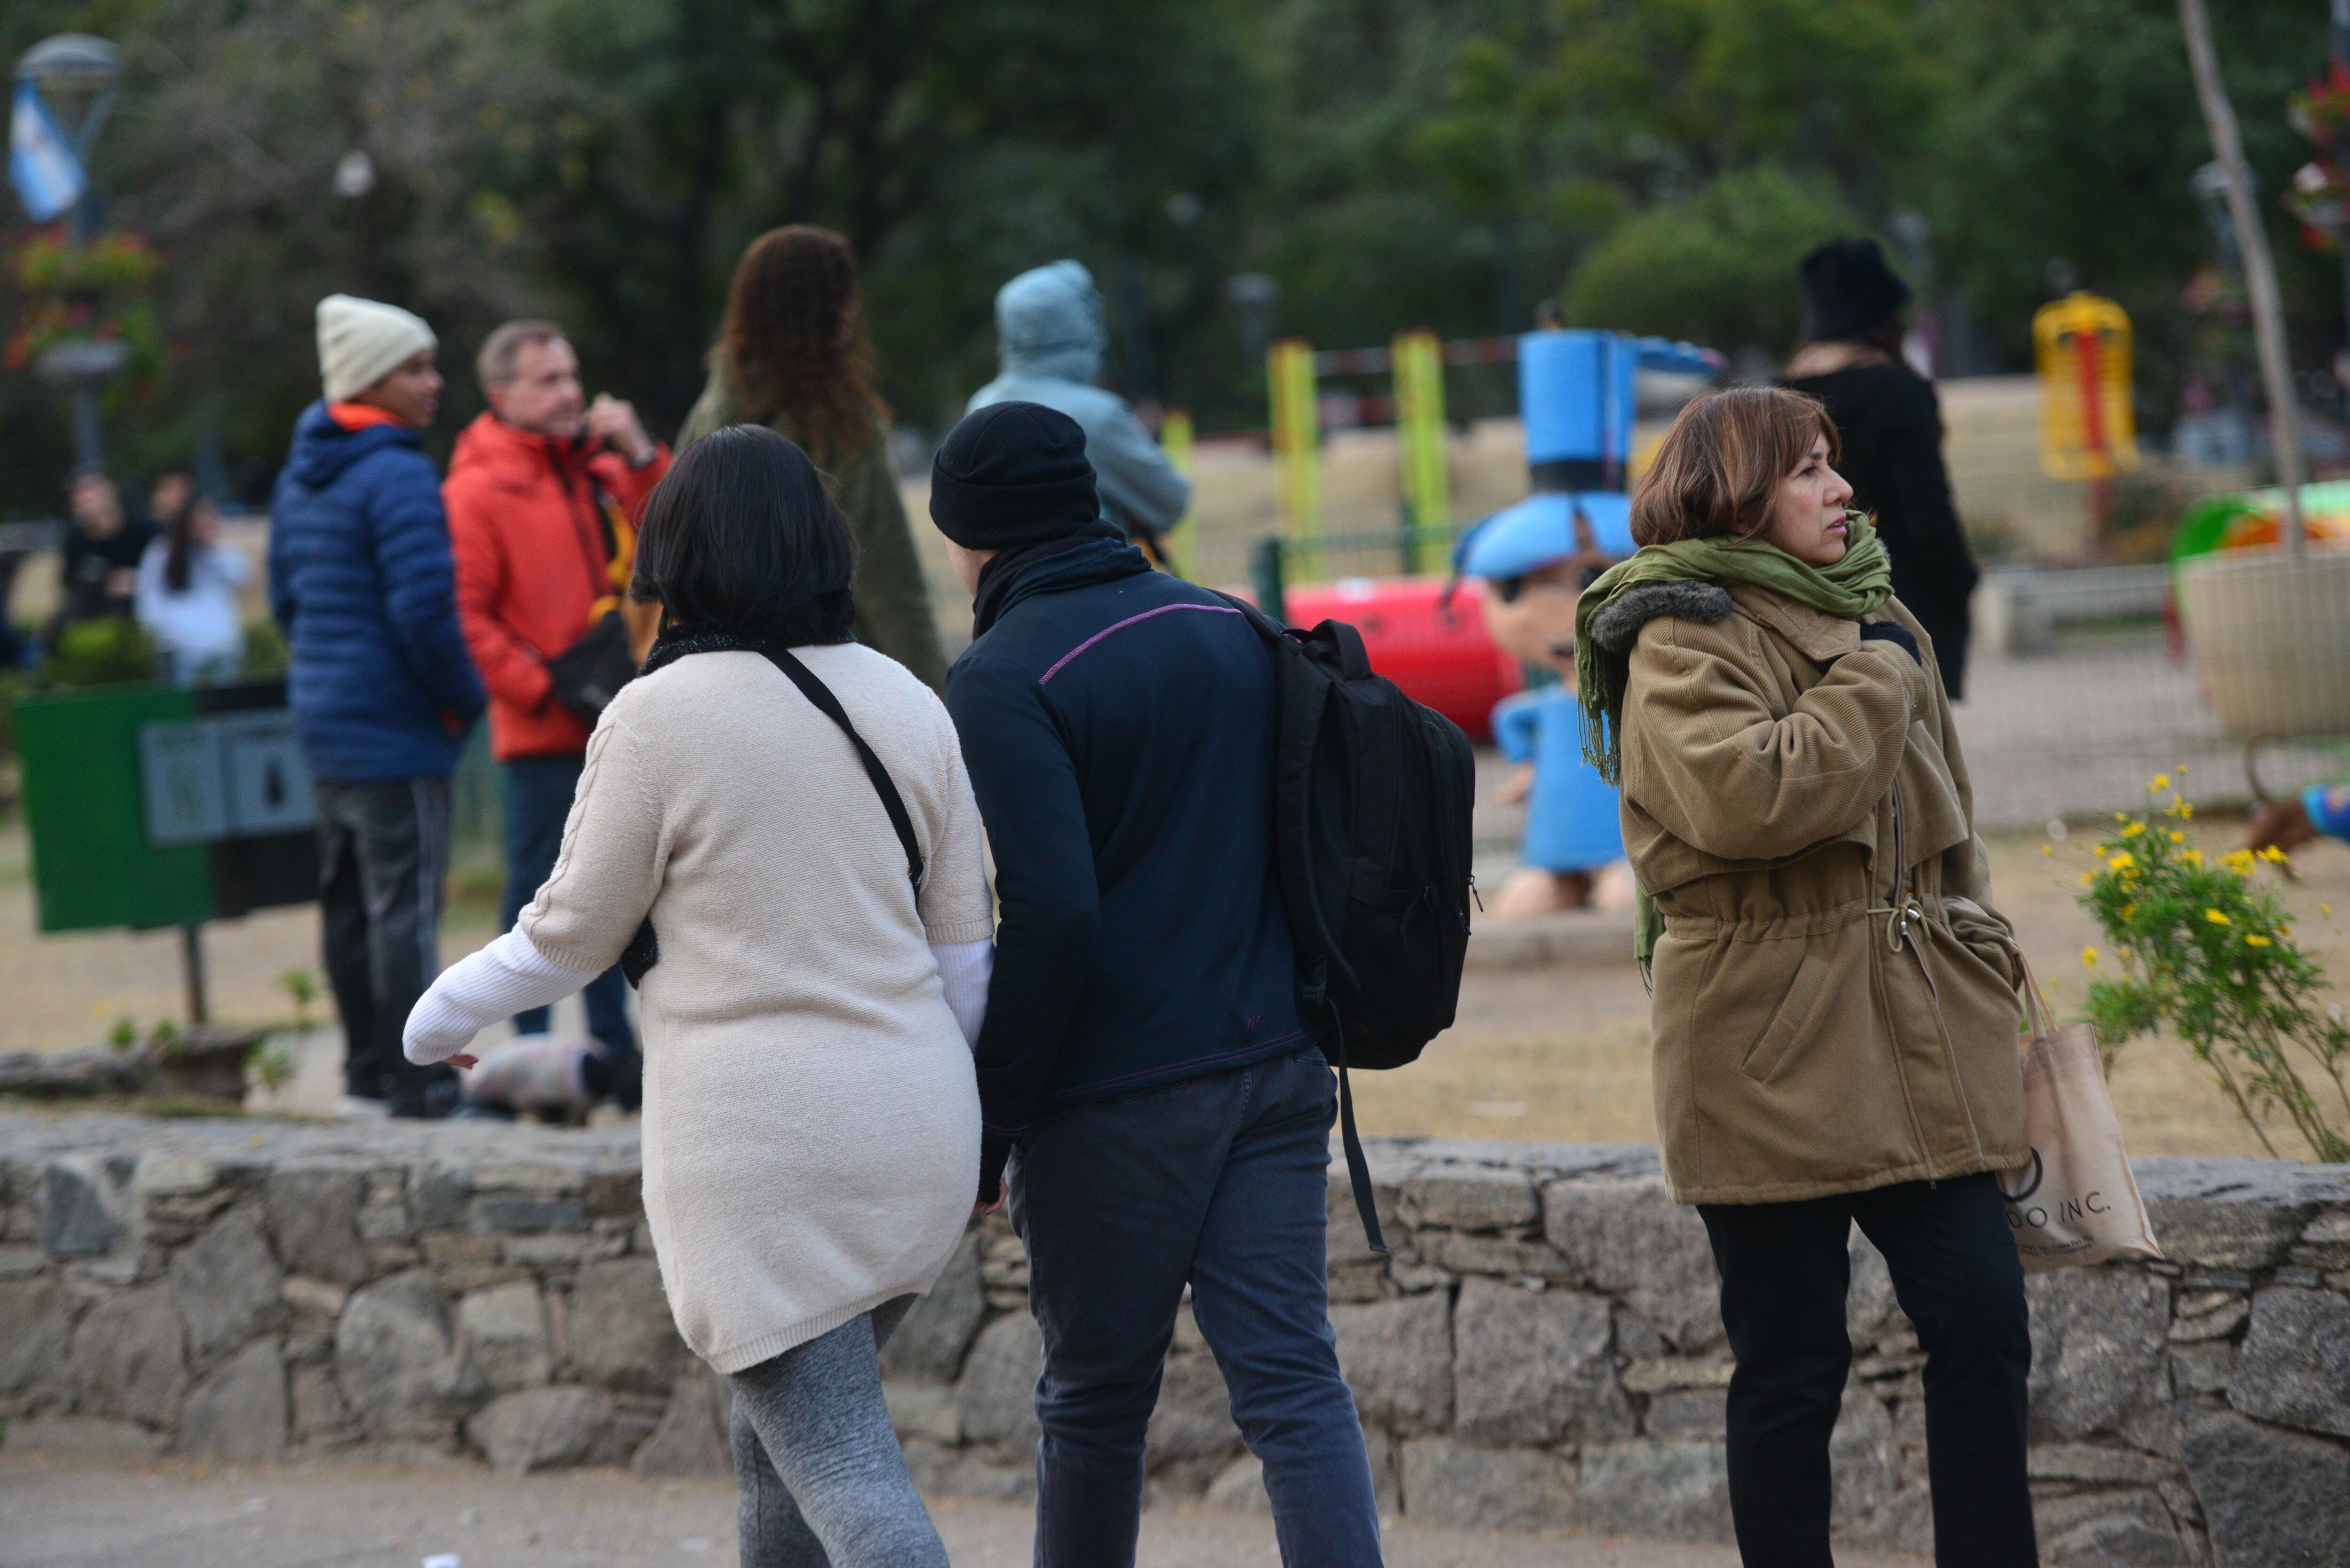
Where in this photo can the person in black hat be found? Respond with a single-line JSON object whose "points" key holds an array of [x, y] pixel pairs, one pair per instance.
{"points": [[1150, 1101], [1891, 424]]}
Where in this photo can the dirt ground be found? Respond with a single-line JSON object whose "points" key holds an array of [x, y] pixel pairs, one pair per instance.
{"points": [[1548, 1054], [173, 1515]]}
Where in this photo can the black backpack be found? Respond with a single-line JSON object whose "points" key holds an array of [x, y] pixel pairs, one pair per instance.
{"points": [[1372, 795]]}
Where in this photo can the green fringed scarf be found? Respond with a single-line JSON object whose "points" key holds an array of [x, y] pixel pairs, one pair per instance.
{"points": [[1855, 587]]}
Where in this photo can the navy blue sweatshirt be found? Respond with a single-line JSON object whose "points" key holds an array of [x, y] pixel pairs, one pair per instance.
{"points": [[1118, 728]]}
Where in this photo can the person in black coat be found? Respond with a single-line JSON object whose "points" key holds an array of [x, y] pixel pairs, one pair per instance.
{"points": [[1891, 425]]}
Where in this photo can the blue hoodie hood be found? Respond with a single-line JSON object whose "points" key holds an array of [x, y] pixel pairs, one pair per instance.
{"points": [[1048, 323], [323, 449]]}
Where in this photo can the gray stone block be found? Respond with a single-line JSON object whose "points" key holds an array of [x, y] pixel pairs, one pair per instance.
{"points": [[506, 1329], [1687, 1412], [1533, 1367], [2271, 1498], [130, 1359], [621, 1331], [2099, 1529], [692, 1437], [2096, 1465], [83, 1435], [35, 1328], [1864, 1458], [2205, 1368], [526, 1216], [1503, 1256], [398, 1365], [229, 1285], [1239, 1487], [932, 1339], [314, 1213], [920, 1408], [2097, 1338], [2295, 1368], [1342, 1240], [1193, 1417], [239, 1412], [996, 1400], [1459, 1198], [438, 1191], [1451, 1483], [318, 1411], [1675, 1490], [2226, 1213], [1628, 1238], [1397, 1355], [85, 1205], [539, 1427]]}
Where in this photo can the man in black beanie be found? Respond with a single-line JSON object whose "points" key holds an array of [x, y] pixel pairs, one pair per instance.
{"points": [[1143, 1065]]}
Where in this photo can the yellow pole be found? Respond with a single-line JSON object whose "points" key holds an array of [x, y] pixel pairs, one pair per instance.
{"points": [[1289, 365], [1418, 362], [1175, 441]]}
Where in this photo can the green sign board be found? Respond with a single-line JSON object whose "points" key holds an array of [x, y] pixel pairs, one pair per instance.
{"points": [[154, 805]]}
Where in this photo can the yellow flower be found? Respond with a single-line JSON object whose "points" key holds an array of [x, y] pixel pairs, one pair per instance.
{"points": [[2183, 809], [2192, 857], [2217, 919], [2254, 940], [2087, 877], [2133, 830], [2089, 957], [2123, 861], [2127, 911], [2177, 836], [2047, 849], [2239, 861], [2325, 910], [2158, 783], [2275, 856], [2286, 932]]}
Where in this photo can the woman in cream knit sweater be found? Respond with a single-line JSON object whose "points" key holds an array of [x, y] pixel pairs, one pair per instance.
{"points": [[811, 1120]]}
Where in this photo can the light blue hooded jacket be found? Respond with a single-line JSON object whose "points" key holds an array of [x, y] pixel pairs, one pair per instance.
{"points": [[1049, 339]]}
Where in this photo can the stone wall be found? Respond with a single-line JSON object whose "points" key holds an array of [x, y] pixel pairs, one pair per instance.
{"points": [[1541, 1350]]}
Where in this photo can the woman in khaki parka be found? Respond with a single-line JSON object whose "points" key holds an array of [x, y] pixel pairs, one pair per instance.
{"points": [[793, 355], [1835, 999]]}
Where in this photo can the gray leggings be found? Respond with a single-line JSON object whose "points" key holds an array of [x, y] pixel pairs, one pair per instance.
{"points": [[819, 1480]]}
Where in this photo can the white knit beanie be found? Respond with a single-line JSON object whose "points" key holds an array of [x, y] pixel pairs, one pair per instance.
{"points": [[360, 342]]}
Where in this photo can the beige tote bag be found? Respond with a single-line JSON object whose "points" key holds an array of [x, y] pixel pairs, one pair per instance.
{"points": [[2077, 1203]]}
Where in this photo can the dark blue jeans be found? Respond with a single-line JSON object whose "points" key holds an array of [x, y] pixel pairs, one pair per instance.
{"points": [[539, 798], [1218, 1182]]}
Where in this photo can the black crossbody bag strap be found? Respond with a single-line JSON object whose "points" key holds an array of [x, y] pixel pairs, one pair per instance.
{"points": [[817, 693]]}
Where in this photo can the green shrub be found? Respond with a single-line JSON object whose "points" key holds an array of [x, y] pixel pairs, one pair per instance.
{"points": [[2199, 949], [267, 656], [1717, 267], [113, 650]]}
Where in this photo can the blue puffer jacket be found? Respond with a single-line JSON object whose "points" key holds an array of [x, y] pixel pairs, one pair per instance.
{"points": [[361, 579]]}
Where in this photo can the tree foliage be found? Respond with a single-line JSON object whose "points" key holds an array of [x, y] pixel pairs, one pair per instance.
{"points": [[1656, 163]]}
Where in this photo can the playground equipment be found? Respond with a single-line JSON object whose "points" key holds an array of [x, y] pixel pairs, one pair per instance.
{"points": [[2088, 429], [1577, 394], [2270, 631]]}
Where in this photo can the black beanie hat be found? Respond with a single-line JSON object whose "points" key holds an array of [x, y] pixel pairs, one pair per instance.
{"points": [[1847, 288], [1011, 475]]}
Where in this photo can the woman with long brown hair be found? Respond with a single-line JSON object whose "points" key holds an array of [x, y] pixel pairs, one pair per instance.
{"points": [[794, 355], [1835, 1039]]}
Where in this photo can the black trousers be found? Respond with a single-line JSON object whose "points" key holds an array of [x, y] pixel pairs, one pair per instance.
{"points": [[383, 857], [1785, 1270]]}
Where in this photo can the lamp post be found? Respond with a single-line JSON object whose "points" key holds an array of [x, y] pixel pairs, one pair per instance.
{"points": [[76, 76]]}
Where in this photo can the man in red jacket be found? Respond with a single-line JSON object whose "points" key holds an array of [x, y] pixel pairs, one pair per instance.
{"points": [[542, 492]]}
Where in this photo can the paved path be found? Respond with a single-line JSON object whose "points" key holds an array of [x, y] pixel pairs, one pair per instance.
{"points": [[68, 1514]]}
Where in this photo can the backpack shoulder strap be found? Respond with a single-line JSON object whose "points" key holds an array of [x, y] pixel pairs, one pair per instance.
{"points": [[817, 693]]}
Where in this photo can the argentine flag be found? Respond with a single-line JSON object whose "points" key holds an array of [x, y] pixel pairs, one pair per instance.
{"points": [[47, 176]]}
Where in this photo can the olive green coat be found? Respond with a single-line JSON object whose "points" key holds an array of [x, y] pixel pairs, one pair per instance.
{"points": [[1786, 786], [893, 600]]}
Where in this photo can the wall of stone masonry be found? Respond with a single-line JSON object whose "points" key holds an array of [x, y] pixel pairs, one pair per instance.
{"points": [[1540, 1350]]}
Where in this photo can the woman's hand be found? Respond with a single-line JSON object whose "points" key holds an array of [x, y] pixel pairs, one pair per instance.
{"points": [[463, 1059]]}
